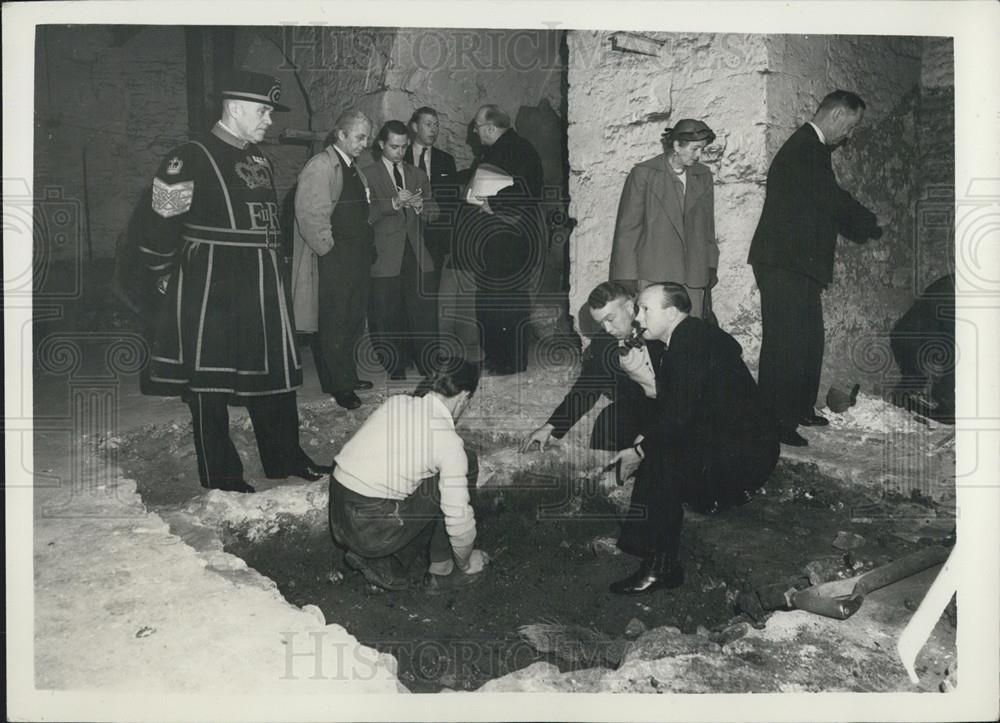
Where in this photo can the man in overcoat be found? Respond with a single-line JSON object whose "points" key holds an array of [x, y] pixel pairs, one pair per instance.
{"points": [[225, 333], [792, 257], [332, 254]]}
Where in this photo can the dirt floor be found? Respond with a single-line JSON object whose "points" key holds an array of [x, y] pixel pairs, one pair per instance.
{"points": [[875, 485], [551, 537]]}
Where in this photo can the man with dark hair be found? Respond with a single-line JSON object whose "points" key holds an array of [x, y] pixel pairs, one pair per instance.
{"points": [[501, 239], [406, 472], [792, 257], [616, 364], [711, 444], [440, 168], [212, 225], [333, 252], [402, 316]]}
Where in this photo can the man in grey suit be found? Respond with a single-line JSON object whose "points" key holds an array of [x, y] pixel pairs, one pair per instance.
{"points": [[402, 315], [665, 230]]}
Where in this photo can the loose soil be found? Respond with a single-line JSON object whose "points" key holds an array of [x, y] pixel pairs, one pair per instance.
{"points": [[540, 532]]}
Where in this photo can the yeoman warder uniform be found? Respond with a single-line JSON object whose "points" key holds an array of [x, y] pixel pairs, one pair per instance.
{"points": [[225, 335]]}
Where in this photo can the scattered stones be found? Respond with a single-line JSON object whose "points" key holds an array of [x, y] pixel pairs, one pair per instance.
{"points": [[848, 540], [730, 633], [605, 546], [635, 628], [335, 578], [824, 570], [667, 642], [144, 632]]}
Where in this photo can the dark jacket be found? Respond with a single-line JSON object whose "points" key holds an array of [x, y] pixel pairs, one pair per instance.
{"points": [[713, 428], [805, 209], [513, 237], [445, 190], [600, 374]]}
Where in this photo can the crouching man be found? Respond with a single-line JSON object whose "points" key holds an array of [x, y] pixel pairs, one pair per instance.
{"points": [[712, 446], [406, 472], [617, 365]]}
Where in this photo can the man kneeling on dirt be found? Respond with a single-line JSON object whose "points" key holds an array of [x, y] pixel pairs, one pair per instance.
{"points": [[406, 472]]}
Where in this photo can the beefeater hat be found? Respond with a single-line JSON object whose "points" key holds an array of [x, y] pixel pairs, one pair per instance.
{"points": [[254, 87]]}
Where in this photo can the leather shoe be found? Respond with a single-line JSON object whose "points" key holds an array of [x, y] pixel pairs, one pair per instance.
{"points": [[379, 571], [793, 438], [655, 573], [362, 385], [814, 420], [348, 400]]}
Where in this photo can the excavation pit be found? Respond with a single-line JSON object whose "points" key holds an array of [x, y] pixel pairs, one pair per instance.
{"points": [[551, 539]]}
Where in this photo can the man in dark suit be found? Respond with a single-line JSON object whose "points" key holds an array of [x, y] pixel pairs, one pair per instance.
{"points": [[792, 257], [503, 241], [712, 444], [402, 315], [441, 170], [615, 366]]}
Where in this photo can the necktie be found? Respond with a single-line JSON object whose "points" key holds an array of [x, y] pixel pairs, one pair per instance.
{"points": [[397, 176], [423, 161]]}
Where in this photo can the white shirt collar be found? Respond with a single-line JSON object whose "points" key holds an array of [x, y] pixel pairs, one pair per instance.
{"points": [[822, 138], [347, 159]]}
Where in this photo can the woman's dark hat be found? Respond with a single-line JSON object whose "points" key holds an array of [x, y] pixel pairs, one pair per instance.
{"points": [[254, 87], [689, 129]]}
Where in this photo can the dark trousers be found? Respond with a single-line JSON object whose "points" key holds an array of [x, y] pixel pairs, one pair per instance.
{"points": [[275, 420], [791, 348], [402, 316], [616, 427], [375, 528], [503, 318], [343, 300], [668, 478]]}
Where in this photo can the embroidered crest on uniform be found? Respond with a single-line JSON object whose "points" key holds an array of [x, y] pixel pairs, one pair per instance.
{"points": [[174, 166], [172, 199], [253, 174]]}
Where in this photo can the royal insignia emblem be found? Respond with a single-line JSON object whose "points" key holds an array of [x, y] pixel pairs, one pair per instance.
{"points": [[253, 174], [172, 199], [174, 166]]}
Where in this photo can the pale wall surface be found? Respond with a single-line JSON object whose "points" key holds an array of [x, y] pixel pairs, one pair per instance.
{"points": [[754, 91], [620, 103]]}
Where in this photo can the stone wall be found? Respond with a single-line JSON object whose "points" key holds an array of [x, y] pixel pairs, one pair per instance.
{"points": [[121, 94], [619, 104], [754, 91], [118, 95]]}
